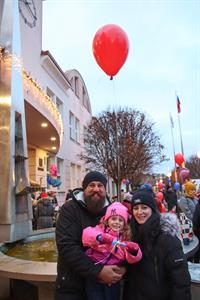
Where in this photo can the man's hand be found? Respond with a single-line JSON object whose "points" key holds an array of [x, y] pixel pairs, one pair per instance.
{"points": [[110, 274], [121, 271]]}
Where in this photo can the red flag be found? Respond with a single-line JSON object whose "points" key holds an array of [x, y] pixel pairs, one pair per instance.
{"points": [[178, 104]]}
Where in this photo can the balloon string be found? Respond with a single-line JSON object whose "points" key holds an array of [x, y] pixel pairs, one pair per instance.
{"points": [[115, 96], [116, 109]]}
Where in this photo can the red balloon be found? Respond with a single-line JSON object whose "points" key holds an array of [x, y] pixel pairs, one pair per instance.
{"points": [[161, 185], [110, 48], [179, 159], [162, 208]]}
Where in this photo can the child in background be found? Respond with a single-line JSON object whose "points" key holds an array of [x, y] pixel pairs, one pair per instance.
{"points": [[108, 244]]}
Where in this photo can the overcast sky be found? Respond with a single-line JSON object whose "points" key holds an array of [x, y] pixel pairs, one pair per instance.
{"points": [[164, 58]]}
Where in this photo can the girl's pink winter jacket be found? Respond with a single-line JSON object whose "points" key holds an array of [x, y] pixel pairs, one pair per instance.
{"points": [[107, 253]]}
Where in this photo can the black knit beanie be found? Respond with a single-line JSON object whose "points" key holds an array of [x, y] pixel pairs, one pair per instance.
{"points": [[143, 197], [94, 176]]}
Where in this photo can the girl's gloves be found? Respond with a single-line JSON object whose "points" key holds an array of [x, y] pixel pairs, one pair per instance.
{"points": [[105, 238], [132, 246], [108, 239]]}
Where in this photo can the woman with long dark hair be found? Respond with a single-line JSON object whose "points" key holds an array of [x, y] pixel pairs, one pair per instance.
{"points": [[162, 274]]}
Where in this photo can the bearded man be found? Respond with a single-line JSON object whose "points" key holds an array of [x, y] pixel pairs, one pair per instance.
{"points": [[86, 208]]}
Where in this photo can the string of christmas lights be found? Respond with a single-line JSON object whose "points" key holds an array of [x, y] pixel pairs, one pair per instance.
{"points": [[32, 86]]}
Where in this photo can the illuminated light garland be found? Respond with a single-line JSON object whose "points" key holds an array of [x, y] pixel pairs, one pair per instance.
{"points": [[31, 85], [1, 53], [10, 60], [45, 100]]}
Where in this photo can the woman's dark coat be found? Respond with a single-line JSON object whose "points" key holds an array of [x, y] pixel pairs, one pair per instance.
{"points": [[162, 274], [196, 228], [171, 199]]}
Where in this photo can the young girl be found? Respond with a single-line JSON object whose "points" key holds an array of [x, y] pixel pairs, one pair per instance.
{"points": [[108, 245]]}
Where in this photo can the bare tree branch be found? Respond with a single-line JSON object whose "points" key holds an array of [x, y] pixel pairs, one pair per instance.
{"points": [[125, 137], [193, 164]]}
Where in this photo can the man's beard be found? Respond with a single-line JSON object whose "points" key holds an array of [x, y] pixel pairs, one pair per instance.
{"points": [[94, 206]]}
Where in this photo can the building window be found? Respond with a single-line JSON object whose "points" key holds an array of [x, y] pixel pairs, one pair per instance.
{"points": [[75, 176], [72, 82], [77, 130], [71, 125], [59, 169], [56, 100], [50, 94], [77, 87], [74, 127], [59, 105]]}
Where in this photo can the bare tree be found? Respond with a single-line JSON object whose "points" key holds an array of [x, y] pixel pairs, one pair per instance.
{"points": [[123, 144], [193, 164]]}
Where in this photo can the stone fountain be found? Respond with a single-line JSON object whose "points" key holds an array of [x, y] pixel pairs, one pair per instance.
{"points": [[15, 204], [15, 198]]}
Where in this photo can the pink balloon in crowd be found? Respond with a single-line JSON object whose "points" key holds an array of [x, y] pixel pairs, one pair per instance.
{"points": [[184, 174]]}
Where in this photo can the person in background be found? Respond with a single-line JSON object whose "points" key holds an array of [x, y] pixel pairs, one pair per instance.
{"points": [[69, 195], [187, 202], [86, 208], [146, 187], [160, 202], [127, 202], [44, 212], [54, 198], [170, 198], [162, 274], [34, 209], [108, 244]]}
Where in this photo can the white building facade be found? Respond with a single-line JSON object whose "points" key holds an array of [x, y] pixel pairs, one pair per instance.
{"points": [[57, 99]]}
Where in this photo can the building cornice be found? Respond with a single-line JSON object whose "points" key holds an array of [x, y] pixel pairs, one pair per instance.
{"points": [[52, 59]]}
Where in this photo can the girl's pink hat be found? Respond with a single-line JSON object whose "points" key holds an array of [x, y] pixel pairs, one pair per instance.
{"points": [[117, 209]]}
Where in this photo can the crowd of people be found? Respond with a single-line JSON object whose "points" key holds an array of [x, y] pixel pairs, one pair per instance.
{"points": [[130, 250], [45, 209]]}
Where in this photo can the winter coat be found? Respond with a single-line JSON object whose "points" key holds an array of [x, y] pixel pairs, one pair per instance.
{"points": [[187, 205], [44, 213], [171, 199], [162, 274], [73, 264], [107, 253], [196, 228]]}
